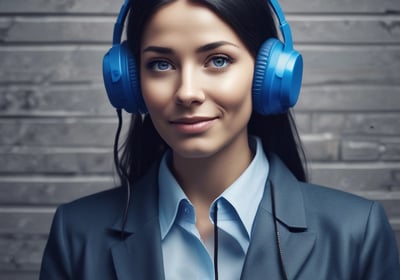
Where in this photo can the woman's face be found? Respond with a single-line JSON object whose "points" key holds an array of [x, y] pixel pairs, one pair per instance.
{"points": [[196, 78]]}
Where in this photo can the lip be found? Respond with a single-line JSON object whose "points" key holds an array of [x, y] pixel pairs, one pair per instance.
{"points": [[193, 125]]}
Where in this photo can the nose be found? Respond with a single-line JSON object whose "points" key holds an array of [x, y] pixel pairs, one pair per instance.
{"points": [[189, 91]]}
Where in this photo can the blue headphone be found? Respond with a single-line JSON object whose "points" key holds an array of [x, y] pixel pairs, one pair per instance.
{"points": [[276, 82]]}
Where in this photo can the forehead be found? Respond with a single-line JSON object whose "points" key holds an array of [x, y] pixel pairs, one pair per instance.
{"points": [[195, 23]]}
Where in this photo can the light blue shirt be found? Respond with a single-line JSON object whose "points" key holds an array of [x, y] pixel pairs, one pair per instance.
{"points": [[185, 255]]}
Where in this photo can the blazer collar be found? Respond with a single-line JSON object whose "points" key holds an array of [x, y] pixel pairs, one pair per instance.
{"points": [[289, 202], [140, 254], [297, 241]]}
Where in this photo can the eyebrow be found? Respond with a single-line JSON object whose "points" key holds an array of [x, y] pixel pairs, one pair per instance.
{"points": [[205, 48], [214, 45], [156, 49]]}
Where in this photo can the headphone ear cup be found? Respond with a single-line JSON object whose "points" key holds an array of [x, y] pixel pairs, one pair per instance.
{"points": [[121, 79], [277, 78]]}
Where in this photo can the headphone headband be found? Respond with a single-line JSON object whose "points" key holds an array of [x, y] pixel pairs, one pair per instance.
{"points": [[283, 25], [119, 24]]}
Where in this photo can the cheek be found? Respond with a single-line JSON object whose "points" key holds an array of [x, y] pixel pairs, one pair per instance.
{"points": [[234, 91], [156, 93]]}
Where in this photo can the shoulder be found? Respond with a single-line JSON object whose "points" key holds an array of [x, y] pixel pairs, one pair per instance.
{"points": [[97, 201], [104, 209], [335, 204], [318, 200], [359, 225], [337, 201], [354, 230], [339, 213], [93, 210], [108, 195]]}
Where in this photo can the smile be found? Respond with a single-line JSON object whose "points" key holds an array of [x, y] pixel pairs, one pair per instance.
{"points": [[193, 125]]}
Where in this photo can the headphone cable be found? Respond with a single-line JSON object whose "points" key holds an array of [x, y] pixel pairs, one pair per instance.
{"points": [[215, 217]]}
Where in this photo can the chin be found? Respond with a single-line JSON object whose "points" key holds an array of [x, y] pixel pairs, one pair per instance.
{"points": [[193, 150], [194, 153]]}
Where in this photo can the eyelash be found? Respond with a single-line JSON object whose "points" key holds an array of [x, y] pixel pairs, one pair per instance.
{"points": [[227, 61], [156, 62]]}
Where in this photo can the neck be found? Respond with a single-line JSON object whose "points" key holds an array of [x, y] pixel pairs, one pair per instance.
{"points": [[204, 179]]}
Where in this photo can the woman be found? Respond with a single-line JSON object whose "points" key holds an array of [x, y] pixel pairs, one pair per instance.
{"points": [[216, 185]]}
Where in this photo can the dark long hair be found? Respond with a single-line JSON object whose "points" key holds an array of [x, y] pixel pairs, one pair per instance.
{"points": [[253, 21]]}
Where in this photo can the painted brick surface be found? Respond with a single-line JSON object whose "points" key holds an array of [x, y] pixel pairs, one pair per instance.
{"points": [[57, 128]]}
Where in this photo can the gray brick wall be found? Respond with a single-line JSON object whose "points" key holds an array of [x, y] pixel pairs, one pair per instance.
{"points": [[56, 127]]}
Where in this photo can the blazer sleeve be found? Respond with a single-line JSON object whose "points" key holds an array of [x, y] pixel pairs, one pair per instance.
{"points": [[379, 254], [56, 262]]}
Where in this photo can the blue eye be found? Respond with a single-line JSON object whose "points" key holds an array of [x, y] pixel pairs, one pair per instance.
{"points": [[159, 66], [219, 62]]}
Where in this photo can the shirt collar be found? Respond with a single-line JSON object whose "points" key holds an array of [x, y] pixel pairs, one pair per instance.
{"points": [[170, 196], [244, 194]]}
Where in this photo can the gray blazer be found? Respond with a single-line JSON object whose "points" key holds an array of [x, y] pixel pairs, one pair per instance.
{"points": [[325, 235]]}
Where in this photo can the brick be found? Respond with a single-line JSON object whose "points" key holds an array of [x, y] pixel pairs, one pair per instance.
{"points": [[344, 29], [25, 220], [19, 275], [340, 6], [373, 124], [68, 100], [303, 122], [51, 190], [360, 150], [66, 161], [57, 7], [337, 65], [21, 253], [375, 176], [52, 65], [328, 122], [324, 147], [391, 150], [58, 30], [357, 123], [58, 132], [349, 98], [371, 149]]}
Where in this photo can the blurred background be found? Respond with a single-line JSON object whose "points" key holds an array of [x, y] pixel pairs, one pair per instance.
{"points": [[57, 127]]}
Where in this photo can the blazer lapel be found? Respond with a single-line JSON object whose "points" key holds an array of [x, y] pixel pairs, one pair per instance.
{"points": [[262, 258], [139, 256]]}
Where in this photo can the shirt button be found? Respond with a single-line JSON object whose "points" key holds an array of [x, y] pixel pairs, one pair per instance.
{"points": [[186, 211]]}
